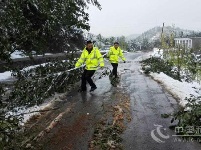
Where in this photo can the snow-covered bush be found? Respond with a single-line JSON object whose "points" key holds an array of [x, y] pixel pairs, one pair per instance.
{"points": [[158, 53], [41, 26], [30, 90], [158, 65]]}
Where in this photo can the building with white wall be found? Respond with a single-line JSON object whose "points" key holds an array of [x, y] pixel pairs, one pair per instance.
{"points": [[191, 42], [185, 42]]}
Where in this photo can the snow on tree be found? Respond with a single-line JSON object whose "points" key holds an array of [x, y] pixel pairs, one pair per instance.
{"points": [[41, 26]]}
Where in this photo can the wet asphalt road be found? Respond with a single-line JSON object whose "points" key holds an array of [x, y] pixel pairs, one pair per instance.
{"points": [[148, 102]]}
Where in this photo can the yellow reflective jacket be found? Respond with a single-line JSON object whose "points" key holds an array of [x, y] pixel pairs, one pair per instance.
{"points": [[114, 55], [92, 60]]}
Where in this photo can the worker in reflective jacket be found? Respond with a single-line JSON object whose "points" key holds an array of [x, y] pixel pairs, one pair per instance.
{"points": [[114, 53], [92, 57]]}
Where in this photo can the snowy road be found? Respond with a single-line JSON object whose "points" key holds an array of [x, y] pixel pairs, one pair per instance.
{"points": [[78, 114]]}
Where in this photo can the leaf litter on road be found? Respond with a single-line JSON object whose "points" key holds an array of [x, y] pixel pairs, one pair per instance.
{"points": [[107, 133]]}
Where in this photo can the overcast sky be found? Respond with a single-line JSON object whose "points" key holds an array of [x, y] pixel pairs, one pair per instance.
{"points": [[125, 17]]}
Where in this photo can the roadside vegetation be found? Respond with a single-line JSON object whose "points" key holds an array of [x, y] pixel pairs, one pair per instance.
{"points": [[181, 64], [43, 27]]}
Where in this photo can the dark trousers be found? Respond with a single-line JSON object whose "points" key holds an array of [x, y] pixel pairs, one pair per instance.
{"points": [[114, 71], [86, 77]]}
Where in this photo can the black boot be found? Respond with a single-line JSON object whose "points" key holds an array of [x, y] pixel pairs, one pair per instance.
{"points": [[93, 88]]}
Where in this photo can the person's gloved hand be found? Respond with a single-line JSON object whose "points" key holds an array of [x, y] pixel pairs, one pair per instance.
{"points": [[124, 61]]}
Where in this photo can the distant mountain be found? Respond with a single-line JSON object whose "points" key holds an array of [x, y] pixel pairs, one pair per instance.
{"points": [[132, 36], [155, 33]]}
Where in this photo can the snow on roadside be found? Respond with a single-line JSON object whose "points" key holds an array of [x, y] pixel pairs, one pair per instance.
{"points": [[5, 75], [27, 113], [19, 54], [180, 90], [144, 56], [158, 53], [8, 74], [35, 110], [155, 53]]}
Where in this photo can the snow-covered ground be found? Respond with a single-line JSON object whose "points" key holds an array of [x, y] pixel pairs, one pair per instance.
{"points": [[180, 90], [19, 54], [27, 113], [8, 75], [158, 53], [5, 75], [155, 53], [144, 56]]}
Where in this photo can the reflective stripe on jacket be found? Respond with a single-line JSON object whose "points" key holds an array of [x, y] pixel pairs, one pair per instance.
{"points": [[92, 60]]}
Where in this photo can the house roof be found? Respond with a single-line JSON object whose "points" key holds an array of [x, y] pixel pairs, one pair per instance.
{"points": [[188, 38], [182, 38]]}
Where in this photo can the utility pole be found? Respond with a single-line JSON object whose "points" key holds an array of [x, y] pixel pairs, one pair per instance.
{"points": [[162, 36]]}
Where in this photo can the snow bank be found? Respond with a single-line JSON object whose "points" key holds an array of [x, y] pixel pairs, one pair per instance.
{"points": [[180, 90], [5, 75], [27, 113], [155, 53], [143, 57], [19, 54], [158, 53]]}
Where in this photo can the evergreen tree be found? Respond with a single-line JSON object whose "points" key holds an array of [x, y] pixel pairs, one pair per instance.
{"points": [[42, 25]]}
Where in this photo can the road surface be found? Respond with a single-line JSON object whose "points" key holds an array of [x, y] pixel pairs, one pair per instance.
{"points": [[79, 113]]}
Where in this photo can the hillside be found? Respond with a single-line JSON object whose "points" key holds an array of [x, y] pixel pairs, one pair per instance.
{"points": [[155, 33], [132, 36]]}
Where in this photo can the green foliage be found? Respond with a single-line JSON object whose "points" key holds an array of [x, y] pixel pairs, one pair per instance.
{"points": [[190, 115], [42, 25], [44, 70], [100, 41], [185, 65], [8, 128], [140, 44], [185, 61], [145, 45], [104, 134], [165, 115], [122, 42], [32, 88], [110, 41], [159, 65], [133, 45]]}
